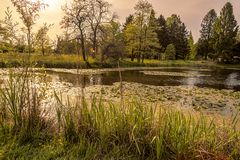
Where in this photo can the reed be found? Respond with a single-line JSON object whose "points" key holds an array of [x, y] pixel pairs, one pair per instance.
{"points": [[104, 130], [21, 114], [148, 132]]}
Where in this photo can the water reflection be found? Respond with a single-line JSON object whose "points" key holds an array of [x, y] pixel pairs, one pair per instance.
{"points": [[94, 80], [232, 80], [192, 81], [218, 79]]}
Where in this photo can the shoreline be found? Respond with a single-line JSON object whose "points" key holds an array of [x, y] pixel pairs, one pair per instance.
{"points": [[75, 62]]}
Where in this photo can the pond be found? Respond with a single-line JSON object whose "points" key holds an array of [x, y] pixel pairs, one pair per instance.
{"points": [[213, 91], [198, 89], [199, 77]]}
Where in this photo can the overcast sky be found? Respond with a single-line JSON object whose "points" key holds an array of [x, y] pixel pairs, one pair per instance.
{"points": [[191, 11]]}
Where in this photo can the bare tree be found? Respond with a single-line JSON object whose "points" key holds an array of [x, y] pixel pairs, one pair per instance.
{"points": [[29, 12], [99, 11], [75, 18]]}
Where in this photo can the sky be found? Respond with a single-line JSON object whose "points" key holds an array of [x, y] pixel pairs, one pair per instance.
{"points": [[191, 11]]}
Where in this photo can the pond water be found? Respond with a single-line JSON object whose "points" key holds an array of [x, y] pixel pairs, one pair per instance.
{"points": [[201, 89], [199, 77]]}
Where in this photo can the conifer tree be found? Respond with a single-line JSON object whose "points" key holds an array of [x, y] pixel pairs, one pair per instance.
{"points": [[162, 32], [192, 47], [178, 36], [205, 46], [225, 32]]}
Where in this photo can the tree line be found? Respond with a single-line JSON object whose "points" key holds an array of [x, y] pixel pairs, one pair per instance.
{"points": [[92, 30]]}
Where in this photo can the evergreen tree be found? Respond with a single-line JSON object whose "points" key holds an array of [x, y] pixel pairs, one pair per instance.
{"points": [[205, 46], [128, 39], [151, 42], [129, 20], [140, 34], [192, 46], [178, 36], [162, 32], [225, 32]]}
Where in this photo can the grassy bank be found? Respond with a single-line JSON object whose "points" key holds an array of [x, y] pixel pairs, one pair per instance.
{"points": [[75, 61], [102, 130]]}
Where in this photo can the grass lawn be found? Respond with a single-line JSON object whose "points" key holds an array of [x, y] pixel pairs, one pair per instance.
{"points": [[75, 61]]}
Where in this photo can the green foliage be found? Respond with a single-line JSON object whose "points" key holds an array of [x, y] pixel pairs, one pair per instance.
{"points": [[170, 52], [151, 40], [178, 36], [225, 32], [112, 41], [42, 40], [193, 48], [130, 36], [163, 33], [65, 45], [90, 31], [205, 43], [140, 35]]}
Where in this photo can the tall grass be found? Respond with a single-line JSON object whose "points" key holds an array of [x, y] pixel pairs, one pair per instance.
{"points": [[20, 107], [146, 132], [103, 130]]}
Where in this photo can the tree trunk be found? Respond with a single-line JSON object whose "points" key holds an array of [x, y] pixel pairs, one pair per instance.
{"points": [[139, 53], [159, 56], [102, 57], [139, 57], [29, 41], [83, 45], [83, 50], [139, 50], [132, 56], [205, 57], [95, 43], [43, 50], [143, 58], [84, 53]]}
